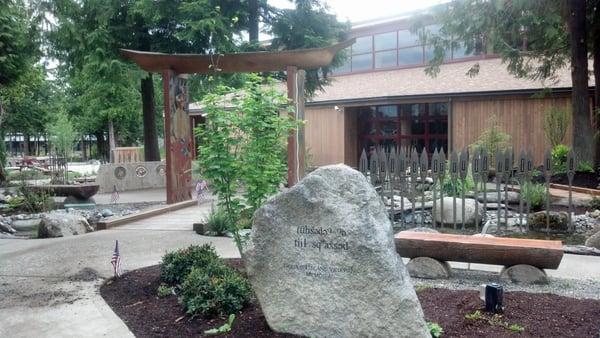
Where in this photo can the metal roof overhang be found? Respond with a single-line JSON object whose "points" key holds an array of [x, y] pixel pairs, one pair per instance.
{"points": [[236, 62]]}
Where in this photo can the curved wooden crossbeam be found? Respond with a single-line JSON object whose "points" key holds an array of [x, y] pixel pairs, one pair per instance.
{"points": [[235, 62]]}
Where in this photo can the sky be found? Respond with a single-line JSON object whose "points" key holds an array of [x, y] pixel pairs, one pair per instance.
{"points": [[363, 10]]}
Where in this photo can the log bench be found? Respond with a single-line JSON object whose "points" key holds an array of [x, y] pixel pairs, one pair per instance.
{"points": [[528, 255]]}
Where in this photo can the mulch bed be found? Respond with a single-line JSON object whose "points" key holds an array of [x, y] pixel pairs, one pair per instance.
{"points": [[580, 179], [134, 299]]}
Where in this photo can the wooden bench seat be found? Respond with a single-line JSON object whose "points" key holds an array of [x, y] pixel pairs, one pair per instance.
{"points": [[542, 254]]}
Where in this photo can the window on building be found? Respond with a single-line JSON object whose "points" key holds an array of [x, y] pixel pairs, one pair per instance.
{"points": [[420, 125]]}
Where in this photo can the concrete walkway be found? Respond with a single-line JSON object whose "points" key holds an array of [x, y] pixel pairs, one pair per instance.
{"points": [[49, 287]]}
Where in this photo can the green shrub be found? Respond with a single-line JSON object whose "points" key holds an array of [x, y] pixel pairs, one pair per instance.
{"points": [[218, 222], [585, 167], [214, 290], [164, 290], [555, 124], [534, 194], [491, 140], [559, 158], [435, 329], [177, 265], [31, 201], [451, 188], [594, 203]]}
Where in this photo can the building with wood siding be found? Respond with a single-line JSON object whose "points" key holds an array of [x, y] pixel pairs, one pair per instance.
{"points": [[382, 96]]}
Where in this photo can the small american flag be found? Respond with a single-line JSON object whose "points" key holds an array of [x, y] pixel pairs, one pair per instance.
{"points": [[116, 261], [114, 197]]}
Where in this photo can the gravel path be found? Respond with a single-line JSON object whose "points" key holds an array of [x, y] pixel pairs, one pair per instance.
{"points": [[472, 279]]}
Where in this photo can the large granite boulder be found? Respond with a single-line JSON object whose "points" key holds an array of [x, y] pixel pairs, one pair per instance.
{"points": [[492, 196], [61, 224], [322, 261], [471, 208]]}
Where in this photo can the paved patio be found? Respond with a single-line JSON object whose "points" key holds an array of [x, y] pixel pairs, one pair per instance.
{"points": [[49, 287]]}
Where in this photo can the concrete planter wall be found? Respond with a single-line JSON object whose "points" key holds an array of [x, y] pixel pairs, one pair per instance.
{"points": [[131, 176]]}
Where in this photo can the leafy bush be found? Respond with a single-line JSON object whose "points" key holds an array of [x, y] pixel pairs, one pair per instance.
{"points": [[451, 188], [585, 167], [218, 222], [555, 124], [534, 194], [594, 203], [177, 265], [215, 289], [559, 158], [491, 140], [31, 201], [164, 290], [24, 175], [435, 329]]}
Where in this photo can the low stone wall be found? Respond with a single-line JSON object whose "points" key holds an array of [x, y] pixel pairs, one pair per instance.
{"points": [[131, 176]]}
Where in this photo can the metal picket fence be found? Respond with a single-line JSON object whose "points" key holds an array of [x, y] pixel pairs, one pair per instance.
{"points": [[405, 175]]}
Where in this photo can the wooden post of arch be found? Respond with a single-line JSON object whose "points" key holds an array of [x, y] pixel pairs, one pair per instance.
{"points": [[296, 149]]}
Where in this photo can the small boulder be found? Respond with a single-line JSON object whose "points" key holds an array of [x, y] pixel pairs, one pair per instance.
{"points": [[471, 209], [427, 267], [559, 221], [4, 227], [107, 213], [59, 224], [593, 241], [524, 274], [511, 197]]}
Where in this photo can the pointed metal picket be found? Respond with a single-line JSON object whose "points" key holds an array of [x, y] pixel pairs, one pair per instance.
{"points": [[401, 172], [485, 170], [476, 173], [453, 177], [463, 171], [391, 166], [435, 174], [414, 169], [521, 175], [443, 168], [363, 163], [423, 169], [547, 172], [374, 168], [571, 167], [499, 173]]}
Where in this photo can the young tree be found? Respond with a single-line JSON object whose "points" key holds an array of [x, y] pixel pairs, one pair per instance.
{"points": [[533, 38], [62, 136]]}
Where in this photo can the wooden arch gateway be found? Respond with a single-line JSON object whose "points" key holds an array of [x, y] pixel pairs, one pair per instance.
{"points": [[178, 132]]}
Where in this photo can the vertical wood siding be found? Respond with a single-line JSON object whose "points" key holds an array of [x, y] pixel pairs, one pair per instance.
{"points": [[325, 135], [519, 116]]}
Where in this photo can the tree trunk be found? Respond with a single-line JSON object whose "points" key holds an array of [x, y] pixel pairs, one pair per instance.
{"points": [[595, 33], [111, 141], [151, 150], [101, 146], [83, 149], [26, 151], [583, 134], [253, 20]]}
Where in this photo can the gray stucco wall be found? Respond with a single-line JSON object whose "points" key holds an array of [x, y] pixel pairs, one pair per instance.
{"points": [[131, 176]]}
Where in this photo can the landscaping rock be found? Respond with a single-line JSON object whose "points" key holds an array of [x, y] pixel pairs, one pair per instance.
{"points": [[559, 221], [323, 263], [6, 228], [26, 224], [427, 267], [59, 224], [513, 197], [524, 274], [106, 213], [593, 241], [470, 211]]}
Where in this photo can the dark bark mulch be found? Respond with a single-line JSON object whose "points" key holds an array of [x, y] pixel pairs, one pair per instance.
{"points": [[134, 299], [580, 179]]}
